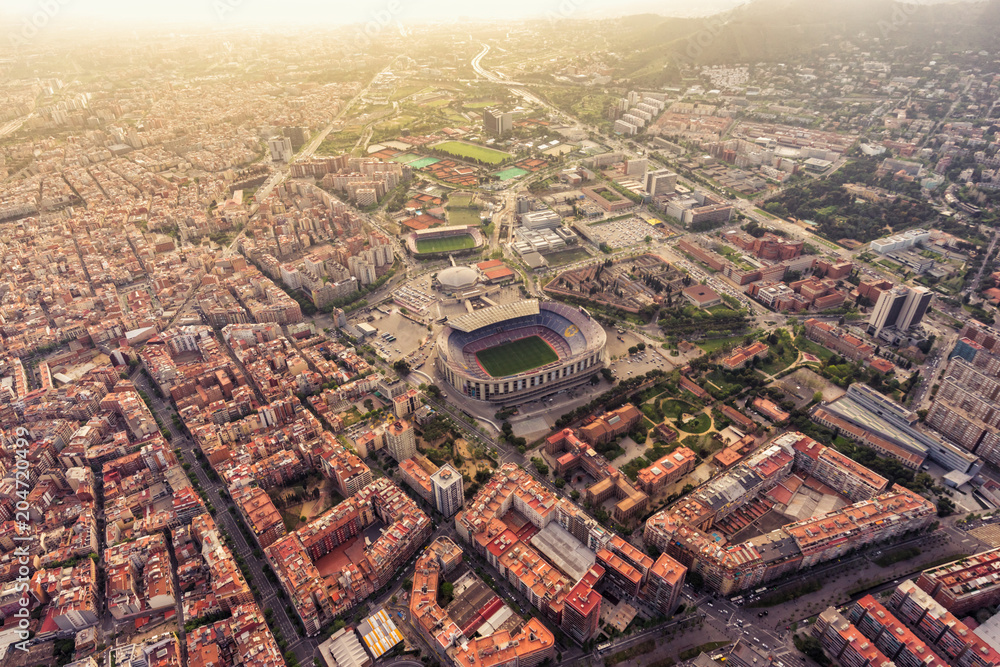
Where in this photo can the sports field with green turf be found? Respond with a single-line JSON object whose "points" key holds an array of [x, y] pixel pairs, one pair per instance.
{"points": [[516, 357], [464, 150], [423, 162], [448, 244], [512, 172]]}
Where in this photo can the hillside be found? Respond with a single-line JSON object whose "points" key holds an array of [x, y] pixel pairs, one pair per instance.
{"points": [[773, 30]]}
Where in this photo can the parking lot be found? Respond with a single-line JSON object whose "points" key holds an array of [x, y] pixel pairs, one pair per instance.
{"points": [[625, 233], [626, 365], [409, 335]]}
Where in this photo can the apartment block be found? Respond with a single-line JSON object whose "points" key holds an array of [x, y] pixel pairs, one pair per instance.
{"points": [[619, 574], [582, 611], [966, 584], [950, 637], [681, 530], [665, 584], [400, 440], [448, 490], [890, 635], [845, 643], [417, 477], [260, 514]]}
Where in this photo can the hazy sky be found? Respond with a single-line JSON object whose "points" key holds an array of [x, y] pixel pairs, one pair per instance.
{"points": [[315, 12]]}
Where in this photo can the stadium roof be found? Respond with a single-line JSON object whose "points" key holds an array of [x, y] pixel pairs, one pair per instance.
{"points": [[438, 230], [493, 315], [458, 277]]}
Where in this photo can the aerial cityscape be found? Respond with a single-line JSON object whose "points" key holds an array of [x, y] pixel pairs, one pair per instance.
{"points": [[433, 334]]}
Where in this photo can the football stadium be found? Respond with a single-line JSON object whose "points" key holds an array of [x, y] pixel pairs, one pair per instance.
{"points": [[440, 241], [520, 351]]}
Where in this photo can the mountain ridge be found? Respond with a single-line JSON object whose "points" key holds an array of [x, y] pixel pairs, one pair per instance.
{"points": [[773, 30]]}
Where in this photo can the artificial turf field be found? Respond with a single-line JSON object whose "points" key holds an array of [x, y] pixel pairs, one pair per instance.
{"points": [[516, 357], [463, 150], [447, 244]]}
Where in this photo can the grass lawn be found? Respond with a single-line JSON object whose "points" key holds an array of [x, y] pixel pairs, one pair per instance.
{"points": [[352, 417], [699, 424], [808, 346], [629, 653], [673, 409], [464, 216], [710, 346], [721, 380], [780, 362], [699, 443], [407, 90], [516, 357], [463, 200], [481, 153], [449, 244], [567, 256], [290, 520], [340, 141], [952, 285]]}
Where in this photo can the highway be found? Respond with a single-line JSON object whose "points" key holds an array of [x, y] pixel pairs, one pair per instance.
{"points": [[974, 284]]}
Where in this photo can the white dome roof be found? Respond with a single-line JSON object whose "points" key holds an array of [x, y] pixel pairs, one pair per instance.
{"points": [[458, 277]]}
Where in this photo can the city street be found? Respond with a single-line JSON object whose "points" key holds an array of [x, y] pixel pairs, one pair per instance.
{"points": [[303, 647], [368, 242]]}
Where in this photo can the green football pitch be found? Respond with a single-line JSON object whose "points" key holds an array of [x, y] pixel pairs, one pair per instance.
{"points": [[447, 244], [516, 357], [464, 150]]}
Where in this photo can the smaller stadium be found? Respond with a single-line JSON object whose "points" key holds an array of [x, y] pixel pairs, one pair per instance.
{"points": [[519, 351], [444, 240]]}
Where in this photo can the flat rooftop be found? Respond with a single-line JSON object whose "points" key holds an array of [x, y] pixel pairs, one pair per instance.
{"points": [[472, 597]]}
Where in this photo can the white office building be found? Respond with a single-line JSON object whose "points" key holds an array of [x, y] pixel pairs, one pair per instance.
{"points": [[660, 182], [547, 219], [281, 149]]}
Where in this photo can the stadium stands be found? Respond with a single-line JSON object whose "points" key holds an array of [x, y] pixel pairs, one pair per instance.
{"points": [[571, 332]]}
